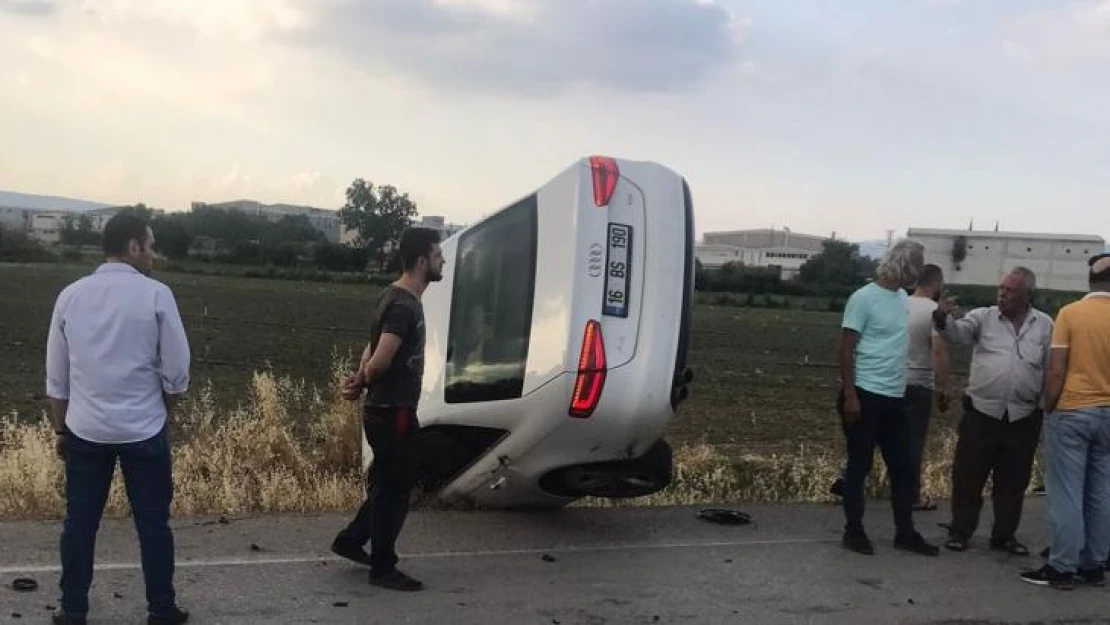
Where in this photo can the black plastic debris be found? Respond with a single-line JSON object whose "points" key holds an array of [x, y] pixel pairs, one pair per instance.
{"points": [[548, 558], [722, 516], [16, 615], [255, 547], [340, 604], [24, 584]]}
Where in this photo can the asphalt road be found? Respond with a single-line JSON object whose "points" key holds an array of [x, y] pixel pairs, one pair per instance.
{"points": [[576, 566]]}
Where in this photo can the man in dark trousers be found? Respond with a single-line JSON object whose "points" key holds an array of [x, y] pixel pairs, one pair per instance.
{"points": [[873, 354], [117, 359], [392, 368], [1003, 408]]}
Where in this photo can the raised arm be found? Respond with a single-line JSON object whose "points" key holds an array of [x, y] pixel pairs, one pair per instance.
{"points": [[964, 330]]}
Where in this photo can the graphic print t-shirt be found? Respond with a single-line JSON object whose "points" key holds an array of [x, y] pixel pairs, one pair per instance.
{"points": [[399, 312]]}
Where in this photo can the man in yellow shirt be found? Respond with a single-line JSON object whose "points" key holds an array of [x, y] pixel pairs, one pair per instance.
{"points": [[1077, 439]]}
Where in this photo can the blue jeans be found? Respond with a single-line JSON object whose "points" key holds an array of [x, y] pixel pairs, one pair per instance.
{"points": [[1077, 456], [148, 478]]}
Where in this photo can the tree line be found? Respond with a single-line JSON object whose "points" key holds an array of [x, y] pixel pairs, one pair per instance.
{"points": [[377, 216], [836, 271]]}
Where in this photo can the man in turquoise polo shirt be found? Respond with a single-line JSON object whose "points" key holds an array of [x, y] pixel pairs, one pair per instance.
{"points": [[873, 353]]}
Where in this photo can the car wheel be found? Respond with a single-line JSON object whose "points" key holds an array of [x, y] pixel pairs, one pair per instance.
{"points": [[621, 479]]}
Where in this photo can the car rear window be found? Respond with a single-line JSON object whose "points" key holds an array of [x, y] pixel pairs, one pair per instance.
{"points": [[491, 307]]}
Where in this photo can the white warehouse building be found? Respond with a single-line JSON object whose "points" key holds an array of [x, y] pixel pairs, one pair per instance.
{"points": [[983, 257], [759, 248]]}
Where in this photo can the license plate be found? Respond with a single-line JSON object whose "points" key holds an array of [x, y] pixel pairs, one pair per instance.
{"points": [[618, 266]]}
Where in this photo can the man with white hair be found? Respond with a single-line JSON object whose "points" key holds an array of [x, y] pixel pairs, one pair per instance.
{"points": [[873, 352], [1077, 439], [1003, 408]]}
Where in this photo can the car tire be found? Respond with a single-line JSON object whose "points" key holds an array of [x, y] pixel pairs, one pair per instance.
{"points": [[621, 479]]}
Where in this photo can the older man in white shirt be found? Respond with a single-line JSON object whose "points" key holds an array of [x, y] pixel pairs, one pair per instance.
{"points": [[1003, 408], [116, 360]]}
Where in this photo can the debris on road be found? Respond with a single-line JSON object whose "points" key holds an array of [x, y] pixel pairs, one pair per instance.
{"points": [[24, 584], [722, 516]]}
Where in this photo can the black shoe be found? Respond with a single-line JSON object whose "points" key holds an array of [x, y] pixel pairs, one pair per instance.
{"points": [[1094, 577], [915, 543], [859, 543], [1048, 576], [177, 617], [60, 618], [395, 580], [352, 552], [837, 487]]}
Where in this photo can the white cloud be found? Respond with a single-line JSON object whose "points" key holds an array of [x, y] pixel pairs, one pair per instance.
{"points": [[538, 47], [247, 20], [1076, 31]]}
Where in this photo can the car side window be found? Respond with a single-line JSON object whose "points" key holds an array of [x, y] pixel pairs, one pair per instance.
{"points": [[491, 307]]}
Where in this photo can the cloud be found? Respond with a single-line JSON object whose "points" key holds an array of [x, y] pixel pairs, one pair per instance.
{"points": [[537, 47], [29, 7], [1076, 31]]}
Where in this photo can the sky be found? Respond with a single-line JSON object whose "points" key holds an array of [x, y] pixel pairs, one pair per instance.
{"points": [[854, 118]]}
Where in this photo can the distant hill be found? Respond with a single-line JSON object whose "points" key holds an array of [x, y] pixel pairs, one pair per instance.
{"points": [[47, 202]]}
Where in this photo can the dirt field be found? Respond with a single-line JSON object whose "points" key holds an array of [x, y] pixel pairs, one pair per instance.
{"points": [[754, 391]]}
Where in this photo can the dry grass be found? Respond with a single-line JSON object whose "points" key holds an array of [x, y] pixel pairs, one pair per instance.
{"points": [[290, 449], [267, 456]]}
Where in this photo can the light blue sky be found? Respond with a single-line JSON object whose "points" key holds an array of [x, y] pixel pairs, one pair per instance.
{"points": [[849, 117]]}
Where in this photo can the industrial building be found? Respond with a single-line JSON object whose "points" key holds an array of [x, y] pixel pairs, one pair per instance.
{"points": [[782, 249], [983, 257]]}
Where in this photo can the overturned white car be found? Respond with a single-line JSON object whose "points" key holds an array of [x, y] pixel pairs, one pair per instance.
{"points": [[557, 342]]}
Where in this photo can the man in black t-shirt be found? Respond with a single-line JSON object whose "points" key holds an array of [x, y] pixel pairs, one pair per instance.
{"points": [[392, 368]]}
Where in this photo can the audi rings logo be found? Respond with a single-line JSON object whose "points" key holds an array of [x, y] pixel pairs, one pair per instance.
{"points": [[596, 262]]}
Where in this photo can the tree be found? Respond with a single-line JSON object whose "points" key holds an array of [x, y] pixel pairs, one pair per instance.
{"points": [[78, 230], [172, 236], [139, 210], [838, 267], [379, 215]]}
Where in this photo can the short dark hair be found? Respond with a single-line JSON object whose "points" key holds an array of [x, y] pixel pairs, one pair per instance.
{"points": [[931, 274], [120, 230], [416, 243], [1102, 277]]}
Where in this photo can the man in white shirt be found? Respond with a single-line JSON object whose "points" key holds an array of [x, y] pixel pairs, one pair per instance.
{"points": [[117, 358], [1003, 408], [926, 370]]}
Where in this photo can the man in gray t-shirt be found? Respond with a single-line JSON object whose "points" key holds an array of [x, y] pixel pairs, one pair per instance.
{"points": [[926, 370]]}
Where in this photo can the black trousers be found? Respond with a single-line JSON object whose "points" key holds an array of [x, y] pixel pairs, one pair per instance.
{"points": [[919, 410], [883, 422], [998, 448], [390, 433]]}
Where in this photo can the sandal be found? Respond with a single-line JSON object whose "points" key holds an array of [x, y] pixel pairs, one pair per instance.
{"points": [[1010, 546], [956, 543]]}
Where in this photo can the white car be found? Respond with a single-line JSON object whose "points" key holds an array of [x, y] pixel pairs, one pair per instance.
{"points": [[557, 342]]}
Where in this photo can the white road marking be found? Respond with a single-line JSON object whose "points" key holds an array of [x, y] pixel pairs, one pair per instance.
{"points": [[232, 562]]}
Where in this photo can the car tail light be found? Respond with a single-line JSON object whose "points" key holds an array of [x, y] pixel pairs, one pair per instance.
{"points": [[591, 373], [605, 175]]}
